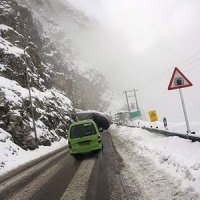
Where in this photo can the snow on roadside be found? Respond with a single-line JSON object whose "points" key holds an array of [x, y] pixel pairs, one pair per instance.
{"points": [[174, 155], [177, 127], [12, 156]]}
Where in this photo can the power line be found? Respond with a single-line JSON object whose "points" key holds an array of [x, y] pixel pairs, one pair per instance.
{"points": [[155, 83], [170, 69], [194, 55]]}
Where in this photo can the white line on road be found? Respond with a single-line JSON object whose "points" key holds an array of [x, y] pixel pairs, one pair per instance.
{"points": [[78, 187]]}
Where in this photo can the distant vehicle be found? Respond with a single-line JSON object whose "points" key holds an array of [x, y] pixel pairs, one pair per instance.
{"points": [[84, 137]]}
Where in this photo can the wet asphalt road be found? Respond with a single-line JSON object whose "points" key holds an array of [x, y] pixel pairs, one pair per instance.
{"points": [[94, 176]]}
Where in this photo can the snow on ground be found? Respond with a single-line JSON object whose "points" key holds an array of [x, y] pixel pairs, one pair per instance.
{"points": [[12, 156], [15, 94], [173, 155], [9, 48]]}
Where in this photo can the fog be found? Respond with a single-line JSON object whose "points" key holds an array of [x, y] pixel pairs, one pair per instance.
{"points": [[137, 44]]}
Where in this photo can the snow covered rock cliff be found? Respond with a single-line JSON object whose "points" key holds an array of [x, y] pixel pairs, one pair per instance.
{"points": [[31, 49], [21, 47]]}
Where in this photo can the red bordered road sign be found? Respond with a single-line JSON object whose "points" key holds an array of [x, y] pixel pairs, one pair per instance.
{"points": [[178, 80]]}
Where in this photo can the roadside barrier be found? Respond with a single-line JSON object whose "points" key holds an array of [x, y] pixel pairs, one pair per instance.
{"points": [[168, 133]]}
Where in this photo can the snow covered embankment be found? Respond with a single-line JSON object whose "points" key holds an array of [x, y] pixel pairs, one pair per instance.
{"points": [[12, 156], [171, 155]]}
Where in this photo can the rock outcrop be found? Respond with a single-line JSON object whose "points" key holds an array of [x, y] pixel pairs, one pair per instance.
{"points": [[30, 57], [23, 51]]}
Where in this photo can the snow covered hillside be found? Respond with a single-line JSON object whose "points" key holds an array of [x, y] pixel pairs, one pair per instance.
{"points": [[12, 156], [24, 56], [35, 49], [63, 24]]}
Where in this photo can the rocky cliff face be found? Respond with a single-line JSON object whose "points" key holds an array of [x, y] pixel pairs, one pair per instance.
{"points": [[29, 51], [61, 22], [22, 47]]}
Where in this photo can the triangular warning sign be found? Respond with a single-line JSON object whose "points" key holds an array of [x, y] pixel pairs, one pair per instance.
{"points": [[178, 80]]}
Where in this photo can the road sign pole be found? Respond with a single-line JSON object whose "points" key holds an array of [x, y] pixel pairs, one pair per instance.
{"points": [[184, 110]]}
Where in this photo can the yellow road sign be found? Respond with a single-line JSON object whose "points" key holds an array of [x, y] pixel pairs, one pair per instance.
{"points": [[153, 116]]}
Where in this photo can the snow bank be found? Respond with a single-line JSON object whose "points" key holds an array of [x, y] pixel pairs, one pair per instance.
{"points": [[175, 155], [12, 156]]}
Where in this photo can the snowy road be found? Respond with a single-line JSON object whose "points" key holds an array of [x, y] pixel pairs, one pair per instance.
{"points": [[93, 176], [119, 172]]}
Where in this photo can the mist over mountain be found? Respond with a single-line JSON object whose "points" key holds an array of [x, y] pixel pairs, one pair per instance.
{"points": [[35, 45], [137, 44]]}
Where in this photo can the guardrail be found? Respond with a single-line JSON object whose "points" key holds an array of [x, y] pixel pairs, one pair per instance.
{"points": [[168, 133]]}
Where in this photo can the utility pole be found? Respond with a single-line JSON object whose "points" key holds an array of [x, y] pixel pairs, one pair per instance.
{"points": [[129, 110], [136, 101], [30, 97]]}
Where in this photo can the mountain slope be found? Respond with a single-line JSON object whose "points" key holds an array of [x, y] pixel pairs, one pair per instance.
{"points": [[21, 47], [31, 49]]}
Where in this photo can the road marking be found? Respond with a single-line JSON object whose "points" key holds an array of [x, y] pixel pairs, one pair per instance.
{"points": [[78, 187]]}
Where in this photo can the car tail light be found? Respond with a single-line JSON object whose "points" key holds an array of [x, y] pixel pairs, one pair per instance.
{"points": [[99, 139]]}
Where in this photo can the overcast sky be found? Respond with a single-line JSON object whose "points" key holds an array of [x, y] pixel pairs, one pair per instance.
{"points": [[137, 43]]}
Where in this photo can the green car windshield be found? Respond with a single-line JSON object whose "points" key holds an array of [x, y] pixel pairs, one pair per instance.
{"points": [[82, 130]]}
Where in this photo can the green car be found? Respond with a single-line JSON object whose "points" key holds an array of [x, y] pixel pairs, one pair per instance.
{"points": [[84, 137]]}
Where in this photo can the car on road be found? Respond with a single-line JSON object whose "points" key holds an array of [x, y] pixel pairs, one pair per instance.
{"points": [[84, 137]]}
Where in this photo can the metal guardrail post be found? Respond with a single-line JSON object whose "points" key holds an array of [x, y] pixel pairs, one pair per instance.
{"points": [[168, 133]]}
